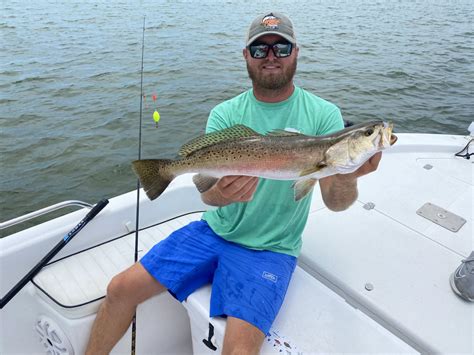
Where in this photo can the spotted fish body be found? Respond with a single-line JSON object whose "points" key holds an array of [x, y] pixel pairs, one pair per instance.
{"points": [[280, 155]]}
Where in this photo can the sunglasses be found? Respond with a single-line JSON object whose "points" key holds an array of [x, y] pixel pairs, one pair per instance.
{"points": [[280, 50]]}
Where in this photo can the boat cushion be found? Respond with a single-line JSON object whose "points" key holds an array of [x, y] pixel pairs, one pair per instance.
{"points": [[75, 285]]}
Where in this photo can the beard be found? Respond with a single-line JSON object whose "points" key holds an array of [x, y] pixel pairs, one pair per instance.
{"points": [[272, 81]]}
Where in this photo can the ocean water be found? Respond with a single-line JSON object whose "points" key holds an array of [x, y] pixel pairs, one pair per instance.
{"points": [[70, 79]]}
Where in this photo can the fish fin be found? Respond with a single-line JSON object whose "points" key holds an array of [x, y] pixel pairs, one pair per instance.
{"points": [[314, 169], [303, 187], [206, 140], [204, 182], [154, 175]]}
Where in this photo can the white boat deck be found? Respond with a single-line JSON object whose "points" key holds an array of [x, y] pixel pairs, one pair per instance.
{"points": [[404, 258]]}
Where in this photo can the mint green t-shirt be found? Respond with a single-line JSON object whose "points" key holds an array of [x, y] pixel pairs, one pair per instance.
{"points": [[272, 220]]}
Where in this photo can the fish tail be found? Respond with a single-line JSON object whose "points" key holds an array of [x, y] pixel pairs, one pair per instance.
{"points": [[154, 175]]}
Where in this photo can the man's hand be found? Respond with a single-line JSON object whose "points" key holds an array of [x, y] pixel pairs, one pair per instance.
{"points": [[230, 189], [369, 166]]}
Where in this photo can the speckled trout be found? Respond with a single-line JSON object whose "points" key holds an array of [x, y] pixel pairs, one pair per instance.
{"points": [[279, 155]]}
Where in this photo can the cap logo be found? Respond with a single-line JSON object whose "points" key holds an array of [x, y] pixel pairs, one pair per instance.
{"points": [[270, 22]]}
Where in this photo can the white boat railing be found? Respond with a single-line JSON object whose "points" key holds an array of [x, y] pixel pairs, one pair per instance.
{"points": [[43, 211]]}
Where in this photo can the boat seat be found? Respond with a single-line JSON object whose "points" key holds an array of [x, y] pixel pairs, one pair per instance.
{"points": [[75, 285]]}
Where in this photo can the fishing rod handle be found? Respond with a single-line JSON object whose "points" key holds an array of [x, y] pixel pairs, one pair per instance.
{"points": [[91, 214], [97, 208]]}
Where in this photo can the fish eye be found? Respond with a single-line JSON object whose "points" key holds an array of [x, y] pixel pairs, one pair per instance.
{"points": [[369, 132]]}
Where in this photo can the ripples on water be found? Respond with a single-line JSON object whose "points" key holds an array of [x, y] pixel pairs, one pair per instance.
{"points": [[70, 79]]}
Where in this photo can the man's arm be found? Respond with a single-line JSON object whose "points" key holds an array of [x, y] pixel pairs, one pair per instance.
{"points": [[230, 189], [340, 191]]}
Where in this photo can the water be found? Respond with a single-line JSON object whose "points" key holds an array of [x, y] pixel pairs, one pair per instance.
{"points": [[70, 79]]}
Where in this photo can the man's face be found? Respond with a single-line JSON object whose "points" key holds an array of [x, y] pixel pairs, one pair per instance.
{"points": [[271, 73]]}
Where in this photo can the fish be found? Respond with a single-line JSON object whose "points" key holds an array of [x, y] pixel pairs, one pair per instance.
{"points": [[279, 155]]}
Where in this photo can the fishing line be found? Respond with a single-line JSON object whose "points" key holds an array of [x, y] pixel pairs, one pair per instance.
{"points": [[134, 322]]}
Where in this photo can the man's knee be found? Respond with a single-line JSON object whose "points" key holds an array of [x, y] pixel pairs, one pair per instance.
{"points": [[133, 286], [119, 288]]}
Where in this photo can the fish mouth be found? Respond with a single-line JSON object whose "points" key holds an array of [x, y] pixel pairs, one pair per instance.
{"points": [[393, 139], [388, 136]]}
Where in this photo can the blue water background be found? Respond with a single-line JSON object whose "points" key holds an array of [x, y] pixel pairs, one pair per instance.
{"points": [[70, 79]]}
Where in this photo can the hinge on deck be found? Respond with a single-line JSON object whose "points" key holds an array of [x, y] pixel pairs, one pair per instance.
{"points": [[369, 206]]}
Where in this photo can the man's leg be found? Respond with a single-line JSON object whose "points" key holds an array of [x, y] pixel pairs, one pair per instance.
{"points": [[249, 286], [241, 338], [126, 290]]}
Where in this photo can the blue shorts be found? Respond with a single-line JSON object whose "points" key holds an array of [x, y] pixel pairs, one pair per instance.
{"points": [[246, 284]]}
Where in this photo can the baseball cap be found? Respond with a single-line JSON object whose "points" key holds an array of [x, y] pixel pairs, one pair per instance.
{"points": [[271, 23]]}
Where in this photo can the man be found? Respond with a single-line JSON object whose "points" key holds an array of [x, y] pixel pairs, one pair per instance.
{"points": [[247, 247]]}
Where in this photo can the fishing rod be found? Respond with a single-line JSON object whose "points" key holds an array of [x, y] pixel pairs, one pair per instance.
{"points": [[134, 322], [34, 271]]}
